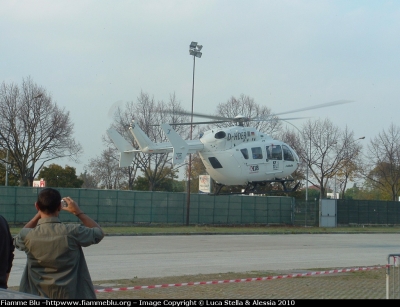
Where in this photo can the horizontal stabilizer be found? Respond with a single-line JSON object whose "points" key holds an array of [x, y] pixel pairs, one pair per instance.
{"points": [[126, 159], [180, 147], [119, 140], [127, 152]]}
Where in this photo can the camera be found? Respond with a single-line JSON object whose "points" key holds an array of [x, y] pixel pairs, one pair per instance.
{"points": [[64, 203]]}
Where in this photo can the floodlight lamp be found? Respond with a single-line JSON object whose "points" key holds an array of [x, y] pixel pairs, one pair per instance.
{"points": [[192, 52], [199, 47], [198, 54], [193, 44]]}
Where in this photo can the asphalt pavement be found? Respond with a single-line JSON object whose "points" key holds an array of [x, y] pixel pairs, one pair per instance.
{"points": [[127, 257]]}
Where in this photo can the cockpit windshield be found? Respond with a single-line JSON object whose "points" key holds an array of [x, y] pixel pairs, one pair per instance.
{"points": [[287, 153]]}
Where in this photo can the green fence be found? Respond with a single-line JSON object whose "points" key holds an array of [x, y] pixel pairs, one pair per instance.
{"points": [[133, 207], [368, 212]]}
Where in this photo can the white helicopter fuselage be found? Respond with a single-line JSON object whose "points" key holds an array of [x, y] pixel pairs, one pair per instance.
{"points": [[232, 156], [239, 155]]}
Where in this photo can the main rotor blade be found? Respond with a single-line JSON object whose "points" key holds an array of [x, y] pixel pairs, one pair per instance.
{"points": [[200, 115], [226, 121], [323, 105], [221, 119], [275, 119], [198, 123]]}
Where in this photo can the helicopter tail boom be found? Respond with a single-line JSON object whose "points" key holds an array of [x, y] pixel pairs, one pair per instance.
{"points": [[176, 144]]}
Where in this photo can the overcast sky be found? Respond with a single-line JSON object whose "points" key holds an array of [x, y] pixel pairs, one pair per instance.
{"points": [[285, 54]]}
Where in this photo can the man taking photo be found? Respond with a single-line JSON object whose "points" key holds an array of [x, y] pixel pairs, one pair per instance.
{"points": [[56, 267]]}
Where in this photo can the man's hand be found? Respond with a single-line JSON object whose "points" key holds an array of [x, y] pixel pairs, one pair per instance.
{"points": [[72, 206], [74, 209]]}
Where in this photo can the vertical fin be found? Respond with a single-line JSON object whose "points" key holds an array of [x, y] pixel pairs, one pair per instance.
{"points": [[141, 138]]}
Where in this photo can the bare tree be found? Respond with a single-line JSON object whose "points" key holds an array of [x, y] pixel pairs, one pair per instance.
{"points": [[351, 166], [323, 149], [9, 174], [344, 156], [128, 173], [89, 180], [34, 129], [384, 156], [106, 172]]}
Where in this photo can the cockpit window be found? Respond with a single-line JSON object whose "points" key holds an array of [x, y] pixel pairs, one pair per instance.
{"points": [[276, 153], [245, 153], [257, 153], [287, 154], [220, 135]]}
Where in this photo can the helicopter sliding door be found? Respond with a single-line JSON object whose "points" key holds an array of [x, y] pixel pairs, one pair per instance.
{"points": [[266, 162], [253, 162], [262, 162], [274, 159]]}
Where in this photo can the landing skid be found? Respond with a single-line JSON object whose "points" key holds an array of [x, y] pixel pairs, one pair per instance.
{"points": [[259, 187]]}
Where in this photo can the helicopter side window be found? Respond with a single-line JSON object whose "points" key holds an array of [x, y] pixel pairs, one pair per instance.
{"points": [[245, 153], [268, 150], [276, 152], [214, 162], [287, 154], [256, 151], [220, 135]]}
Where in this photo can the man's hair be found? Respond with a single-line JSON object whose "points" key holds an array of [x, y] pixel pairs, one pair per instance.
{"points": [[49, 200]]}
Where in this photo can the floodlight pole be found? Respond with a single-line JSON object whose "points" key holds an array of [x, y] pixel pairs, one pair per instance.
{"points": [[190, 155], [195, 51], [309, 163]]}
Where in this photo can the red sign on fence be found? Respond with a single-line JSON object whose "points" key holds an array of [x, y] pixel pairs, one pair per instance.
{"points": [[39, 183]]}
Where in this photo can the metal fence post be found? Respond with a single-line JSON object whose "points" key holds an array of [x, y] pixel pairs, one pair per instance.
{"points": [[393, 277], [134, 207], [151, 208], [305, 214], [116, 209], [167, 207], [387, 278], [98, 205], [15, 213]]}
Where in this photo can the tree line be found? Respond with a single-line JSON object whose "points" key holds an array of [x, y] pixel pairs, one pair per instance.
{"points": [[35, 132]]}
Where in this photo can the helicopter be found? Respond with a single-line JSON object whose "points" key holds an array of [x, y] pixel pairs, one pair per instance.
{"points": [[235, 155]]}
